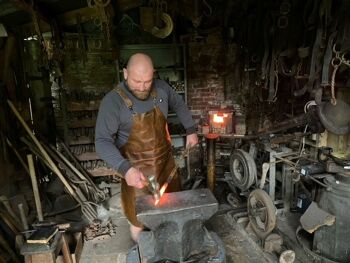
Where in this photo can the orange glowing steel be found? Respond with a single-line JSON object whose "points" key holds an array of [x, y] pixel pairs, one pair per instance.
{"points": [[161, 192], [219, 117]]}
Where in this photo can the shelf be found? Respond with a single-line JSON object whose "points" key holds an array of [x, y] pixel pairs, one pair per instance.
{"points": [[85, 123], [88, 156], [170, 69], [82, 140], [83, 106], [164, 69], [102, 171], [177, 135]]}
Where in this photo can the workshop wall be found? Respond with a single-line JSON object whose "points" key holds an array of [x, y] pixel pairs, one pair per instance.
{"points": [[89, 68], [209, 76]]}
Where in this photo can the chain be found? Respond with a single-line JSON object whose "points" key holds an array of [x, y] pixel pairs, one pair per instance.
{"points": [[336, 62], [103, 20], [277, 80]]}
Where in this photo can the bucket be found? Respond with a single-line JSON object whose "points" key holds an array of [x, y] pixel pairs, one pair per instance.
{"points": [[333, 241]]}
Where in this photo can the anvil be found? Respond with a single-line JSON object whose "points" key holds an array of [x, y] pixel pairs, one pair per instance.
{"points": [[176, 223]]}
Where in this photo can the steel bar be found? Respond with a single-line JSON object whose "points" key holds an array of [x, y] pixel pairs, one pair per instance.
{"points": [[19, 157], [211, 138], [35, 187], [91, 184], [40, 147], [88, 212]]}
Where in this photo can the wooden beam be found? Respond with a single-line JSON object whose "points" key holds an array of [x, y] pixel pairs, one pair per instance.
{"points": [[29, 8], [70, 18]]}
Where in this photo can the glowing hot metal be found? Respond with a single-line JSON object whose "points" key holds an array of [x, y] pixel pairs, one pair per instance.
{"points": [[165, 185]]}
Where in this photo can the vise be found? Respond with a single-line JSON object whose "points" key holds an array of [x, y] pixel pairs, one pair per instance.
{"points": [[176, 228]]}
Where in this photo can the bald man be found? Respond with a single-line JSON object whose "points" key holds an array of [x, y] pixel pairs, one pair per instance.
{"points": [[132, 136]]}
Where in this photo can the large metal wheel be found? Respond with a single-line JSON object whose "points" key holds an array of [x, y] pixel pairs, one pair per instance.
{"points": [[242, 169], [261, 212]]}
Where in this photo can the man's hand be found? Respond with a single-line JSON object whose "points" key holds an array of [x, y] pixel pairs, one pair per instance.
{"points": [[191, 140], [134, 177]]}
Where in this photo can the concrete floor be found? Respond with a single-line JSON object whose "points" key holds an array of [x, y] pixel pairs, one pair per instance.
{"points": [[239, 246], [109, 250]]}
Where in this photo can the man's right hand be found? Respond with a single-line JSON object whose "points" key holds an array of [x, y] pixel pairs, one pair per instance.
{"points": [[134, 177]]}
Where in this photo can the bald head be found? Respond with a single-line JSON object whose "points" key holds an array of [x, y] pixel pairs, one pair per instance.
{"points": [[140, 61], [138, 75]]}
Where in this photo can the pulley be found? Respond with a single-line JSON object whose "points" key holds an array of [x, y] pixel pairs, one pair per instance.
{"points": [[242, 170], [261, 213]]}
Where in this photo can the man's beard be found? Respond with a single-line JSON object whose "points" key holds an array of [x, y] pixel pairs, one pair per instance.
{"points": [[141, 95]]}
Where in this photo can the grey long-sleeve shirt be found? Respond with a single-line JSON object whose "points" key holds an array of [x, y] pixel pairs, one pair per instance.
{"points": [[114, 120]]}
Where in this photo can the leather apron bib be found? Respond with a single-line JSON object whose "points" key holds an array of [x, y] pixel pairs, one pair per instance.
{"points": [[148, 148]]}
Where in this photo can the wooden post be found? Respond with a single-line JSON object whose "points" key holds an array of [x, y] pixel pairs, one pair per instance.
{"points": [[35, 187]]}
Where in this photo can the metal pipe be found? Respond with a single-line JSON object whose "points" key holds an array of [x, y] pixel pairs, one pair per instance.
{"points": [[35, 187], [211, 138]]}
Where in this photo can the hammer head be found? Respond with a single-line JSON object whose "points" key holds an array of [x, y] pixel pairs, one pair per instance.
{"points": [[153, 187]]}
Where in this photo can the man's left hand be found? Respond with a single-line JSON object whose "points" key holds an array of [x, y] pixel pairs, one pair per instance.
{"points": [[191, 140]]}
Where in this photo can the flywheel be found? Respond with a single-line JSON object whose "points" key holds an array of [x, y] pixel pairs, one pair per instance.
{"points": [[243, 170], [261, 212]]}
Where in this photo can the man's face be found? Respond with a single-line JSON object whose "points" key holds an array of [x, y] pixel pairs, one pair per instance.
{"points": [[139, 82]]}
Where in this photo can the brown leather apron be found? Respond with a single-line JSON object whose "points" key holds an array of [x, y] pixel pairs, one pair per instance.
{"points": [[149, 149]]}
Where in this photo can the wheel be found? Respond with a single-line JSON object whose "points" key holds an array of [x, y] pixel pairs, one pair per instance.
{"points": [[261, 212], [242, 169]]}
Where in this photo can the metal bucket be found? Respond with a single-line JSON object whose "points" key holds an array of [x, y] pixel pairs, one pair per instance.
{"points": [[333, 241]]}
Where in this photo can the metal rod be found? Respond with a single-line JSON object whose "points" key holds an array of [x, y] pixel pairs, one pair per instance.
{"points": [[211, 162], [18, 155], [35, 187], [40, 147]]}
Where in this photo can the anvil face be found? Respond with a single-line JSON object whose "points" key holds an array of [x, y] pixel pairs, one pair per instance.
{"points": [[182, 206]]}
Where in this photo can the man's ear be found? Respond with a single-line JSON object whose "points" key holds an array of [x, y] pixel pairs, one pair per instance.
{"points": [[125, 73]]}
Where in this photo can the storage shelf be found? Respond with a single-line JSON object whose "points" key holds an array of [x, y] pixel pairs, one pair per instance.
{"points": [[82, 140], [85, 123], [83, 106], [88, 156], [102, 171]]}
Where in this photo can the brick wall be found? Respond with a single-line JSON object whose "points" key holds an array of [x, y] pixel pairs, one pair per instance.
{"points": [[208, 76], [90, 70]]}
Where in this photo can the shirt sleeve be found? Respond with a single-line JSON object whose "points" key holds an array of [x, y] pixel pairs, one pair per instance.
{"points": [[107, 125], [178, 105]]}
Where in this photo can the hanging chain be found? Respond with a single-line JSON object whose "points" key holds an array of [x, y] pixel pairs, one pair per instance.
{"points": [[103, 21], [336, 62], [276, 78]]}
